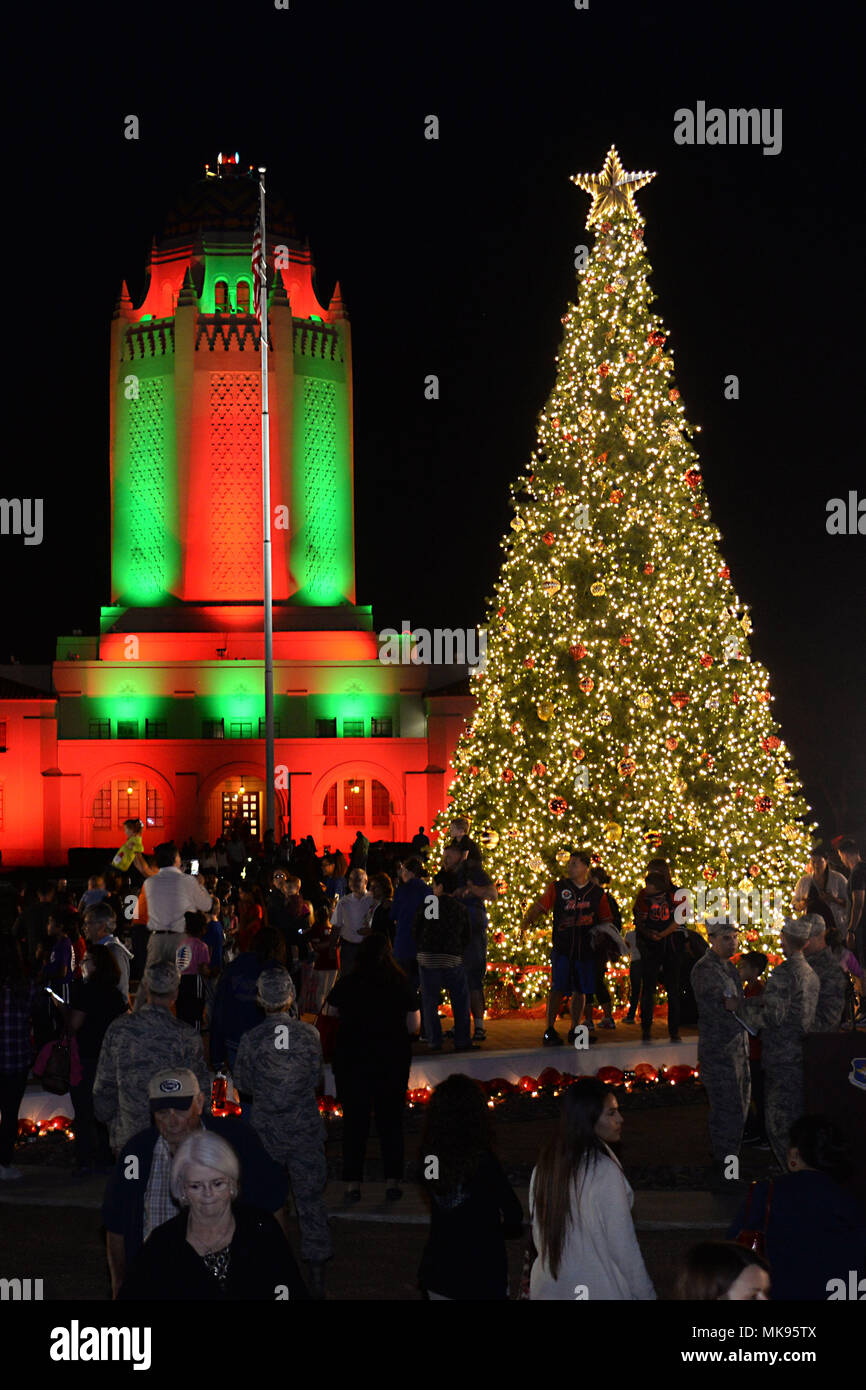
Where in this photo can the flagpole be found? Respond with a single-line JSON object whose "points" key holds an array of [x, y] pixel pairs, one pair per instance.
{"points": [[270, 814]]}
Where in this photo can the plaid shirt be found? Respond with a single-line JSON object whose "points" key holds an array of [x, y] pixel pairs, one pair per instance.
{"points": [[159, 1205], [16, 1048]]}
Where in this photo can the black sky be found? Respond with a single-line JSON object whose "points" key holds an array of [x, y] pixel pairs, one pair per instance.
{"points": [[456, 258]]}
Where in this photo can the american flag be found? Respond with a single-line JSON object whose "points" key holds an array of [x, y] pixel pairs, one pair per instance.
{"points": [[260, 274]]}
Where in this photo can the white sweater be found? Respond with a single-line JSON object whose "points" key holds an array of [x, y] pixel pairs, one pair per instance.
{"points": [[601, 1254]]}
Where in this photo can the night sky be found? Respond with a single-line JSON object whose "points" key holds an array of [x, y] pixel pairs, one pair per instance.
{"points": [[456, 258]]}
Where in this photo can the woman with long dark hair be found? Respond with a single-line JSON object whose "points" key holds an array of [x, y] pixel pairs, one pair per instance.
{"points": [[252, 914], [581, 1204], [377, 1014], [95, 1002], [473, 1207]]}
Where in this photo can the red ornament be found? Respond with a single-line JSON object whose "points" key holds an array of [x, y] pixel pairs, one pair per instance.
{"points": [[558, 805], [736, 697], [627, 394], [738, 793], [711, 762], [706, 659], [672, 744], [770, 744], [693, 477], [610, 1076], [764, 697], [649, 569], [578, 651], [625, 640], [603, 369], [507, 775], [644, 1072], [608, 289], [678, 1074], [567, 436], [473, 771], [724, 572], [515, 728], [500, 613], [602, 458], [559, 489], [580, 754], [548, 538], [606, 226], [680, 699], [526, 1083], [763, 803], [656, 339], [549, 1077], [529, 661], [498, 938], [540, 770], [637, 234], [555, 422], [673, 395], [616, 495]]}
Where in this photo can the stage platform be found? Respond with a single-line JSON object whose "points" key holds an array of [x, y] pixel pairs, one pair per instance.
{"points": [[514, 1049]]}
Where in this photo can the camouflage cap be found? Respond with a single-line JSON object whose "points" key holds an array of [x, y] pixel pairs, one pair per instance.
{"points": [[161, 977], [275, 988], [715, 925], [797, 929]]}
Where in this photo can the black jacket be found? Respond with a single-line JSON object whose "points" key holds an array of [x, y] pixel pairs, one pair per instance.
{"points": [[447, 933], [261, 1267]]}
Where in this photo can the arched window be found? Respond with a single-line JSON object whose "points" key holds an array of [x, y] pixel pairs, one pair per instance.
{"points": [[243, 293], [221, 297], [381, 805], [329, 806]]}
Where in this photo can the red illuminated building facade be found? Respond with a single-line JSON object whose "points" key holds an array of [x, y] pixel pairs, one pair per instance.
{"points": [[161, 714]]}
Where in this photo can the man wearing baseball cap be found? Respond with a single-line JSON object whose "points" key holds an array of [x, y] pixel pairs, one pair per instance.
{"points": [[138, 1193], [723, 1053], [833, 982], [138, 1044], [784, 1013]]}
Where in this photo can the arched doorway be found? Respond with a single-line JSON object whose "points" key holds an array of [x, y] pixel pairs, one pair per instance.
{"points": [[238, 791], [350, 801]]}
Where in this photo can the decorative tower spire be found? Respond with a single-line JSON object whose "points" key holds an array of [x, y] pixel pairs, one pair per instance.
{"points": [[187, 294], [337, 308]]}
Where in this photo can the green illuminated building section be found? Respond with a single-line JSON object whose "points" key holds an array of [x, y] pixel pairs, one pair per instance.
{"points": [[146, 547], [322, 532]]}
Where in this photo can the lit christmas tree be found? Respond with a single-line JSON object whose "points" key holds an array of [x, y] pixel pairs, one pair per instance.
{"points": [[619, 708]]}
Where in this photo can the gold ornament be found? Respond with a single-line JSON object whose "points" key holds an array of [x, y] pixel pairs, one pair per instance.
{"points": [[545, 710], [644, 700], [517, 523], [790, 833], [746, 624], [745, 885], [667, 615], [626, 767], [584, 417], [782, 785], [679, 785], [536, 863], [613, 189], [490, 838], [597, 589], [550, 587], [613, 832], [605, 717], [619, 282]]}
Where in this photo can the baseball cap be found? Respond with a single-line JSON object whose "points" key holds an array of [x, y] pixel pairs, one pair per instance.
{"points": [[161, 977], [172, 1089], [797, 928], [275, 987]]}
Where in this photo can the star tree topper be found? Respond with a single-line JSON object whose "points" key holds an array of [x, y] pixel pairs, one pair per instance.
{"points": [[613, 189]]}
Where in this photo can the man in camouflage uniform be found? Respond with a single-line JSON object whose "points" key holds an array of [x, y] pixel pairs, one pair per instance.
{"points": [[279, 1063], [723, 1054], [832, 980], [138, 1044], [785, 1013]]}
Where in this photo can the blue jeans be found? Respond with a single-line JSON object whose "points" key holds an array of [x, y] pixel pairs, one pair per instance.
{"points": [[452, 978]]}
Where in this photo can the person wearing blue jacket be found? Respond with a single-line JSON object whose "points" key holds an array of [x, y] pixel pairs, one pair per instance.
{"points": [[410, 894], [235, 1008]]}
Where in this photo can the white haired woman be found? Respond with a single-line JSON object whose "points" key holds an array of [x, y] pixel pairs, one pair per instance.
{"points": [[217, 1248]]}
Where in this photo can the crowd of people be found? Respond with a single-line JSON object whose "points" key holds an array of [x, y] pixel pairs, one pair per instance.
{"points": [[154, 978]]}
